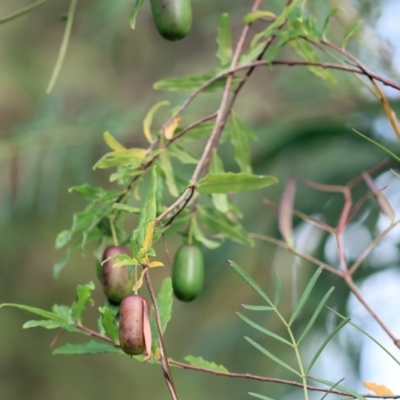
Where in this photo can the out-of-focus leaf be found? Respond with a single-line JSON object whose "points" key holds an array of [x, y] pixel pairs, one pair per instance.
{"points": [[112, 143], [129, 157], [259, 396], [90, 347], [134, 13], [350, 33], [339, 387], [200, 362], [231, 182], [125, 208], [256, 15], [219, 223], [257, 308], [182, 154], [166, 166], [199, 131], [21, 11], [83, 294], [278, 289], [333, 12], [286, 212], [48, 324], [224, 41], [241, 148], [220, 200], [43, 313], [200, 237], [149, 119]]}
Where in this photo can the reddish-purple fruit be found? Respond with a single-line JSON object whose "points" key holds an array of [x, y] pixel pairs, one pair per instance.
{"points": [[117, 283], [134, 325]]}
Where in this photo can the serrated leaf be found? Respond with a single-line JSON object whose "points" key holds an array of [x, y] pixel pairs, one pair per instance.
{"points": [[278, 289], [219, 223], [263, 330], [257, 308], [200, 237], [136, 8], [315, 314], [83, 294], [224, 41], [271, 356], [113, 143], [200, 362], [108, 323], [43, 313], [256, 15], [350, 33], [241, 148], [166, 166], [246, 277], [48, 324], [231, 182], [305, 295], [182, 154], [90, 347]]}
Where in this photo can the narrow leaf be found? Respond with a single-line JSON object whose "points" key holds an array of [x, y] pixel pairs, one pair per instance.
{"points": [[183, 154], [64, 46], [256, 15], [305, 295], [164, 301], [21, 11], [231, 182], [257, 308], [38, 311], [286, 212], [278, 289], [250, 282], [90, 347], [315, 314], [224, 41], [48, 324], [220, 200], [263, 330], [83, 294], [200, 362], [327, 19], [383, 202], [340, 387], [380, 390], [240, 143], [271, 356], [259, 396], [125, 208], [112, 143], [326, 341], [350, 33], [136, 8], [149, 119], [170, 129], [200, 237], [60, 264]]}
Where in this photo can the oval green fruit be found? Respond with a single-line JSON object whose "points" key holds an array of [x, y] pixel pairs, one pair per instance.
{"points": [[134, 318], [173, 18], [188, 273], [117, 282]]}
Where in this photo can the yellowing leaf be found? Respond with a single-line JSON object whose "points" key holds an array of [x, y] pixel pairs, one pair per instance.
{"points": [[170, 129], [148, 239], [155, 264], [139, 282], [380, 390], [111, 142], [149, 119]]}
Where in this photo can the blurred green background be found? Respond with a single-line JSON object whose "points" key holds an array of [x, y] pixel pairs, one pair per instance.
{"points": [[49, 143]]}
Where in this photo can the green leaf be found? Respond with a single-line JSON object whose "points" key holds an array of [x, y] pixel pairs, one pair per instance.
{"points": [[108, 323], [126, 208], [259, 396], [190, 83], [305, 295], [263, 330], [182, 154], [256, 15], [164, 301], [231, 182], [246, 277], [278, 289], [238, 137], [200, 362], [220, 200], [43, 313], [326, 341], [339, 387], [165, 163], [136, 8], [48, 324], [21, 11], [350, 33], [88, 192], [271, 356], [200, 237], [199, 131], [219, 223], [327, 19], [308, 53], [60, 264], [257, 308], [83, 294], [224, 41], [62, 239], [90, 347], [315, 314]]}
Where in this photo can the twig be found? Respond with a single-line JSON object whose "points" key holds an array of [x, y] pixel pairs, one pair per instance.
{"points": [[95, 334], [164, 358]]}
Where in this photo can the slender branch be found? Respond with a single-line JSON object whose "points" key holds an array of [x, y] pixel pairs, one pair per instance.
{"points": [[95, 334], [164, 358]]}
